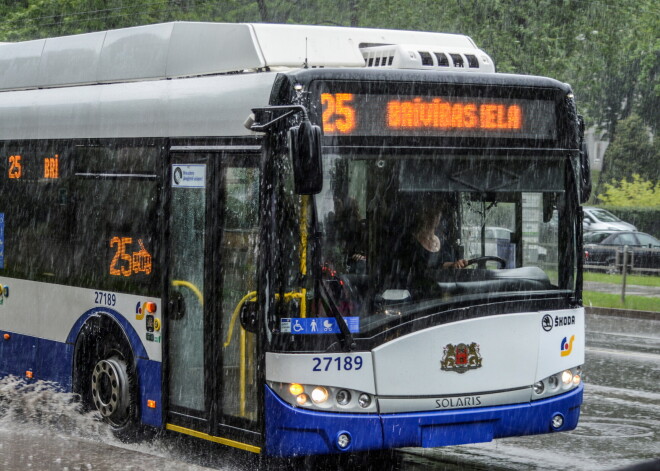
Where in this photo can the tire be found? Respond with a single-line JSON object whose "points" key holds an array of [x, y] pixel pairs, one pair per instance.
{"points": [[106, 377], [111, 393]]}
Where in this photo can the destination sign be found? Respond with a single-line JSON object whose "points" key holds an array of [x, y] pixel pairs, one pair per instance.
{"points": [[46, 167], [351, 114]]}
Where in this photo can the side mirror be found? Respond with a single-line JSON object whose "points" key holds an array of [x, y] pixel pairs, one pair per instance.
{"points": [[585, 174], [305, 150]]}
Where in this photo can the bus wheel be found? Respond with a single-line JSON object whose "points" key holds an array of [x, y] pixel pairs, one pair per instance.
{"points": [[105, 377], [111, 393]]}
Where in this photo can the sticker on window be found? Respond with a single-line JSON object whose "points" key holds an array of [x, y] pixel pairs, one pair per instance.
{"points": [[188, 176], [317, 325]]}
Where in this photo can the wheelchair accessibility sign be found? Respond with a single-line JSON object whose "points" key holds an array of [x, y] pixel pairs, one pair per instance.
{"points": [[317, 325]]}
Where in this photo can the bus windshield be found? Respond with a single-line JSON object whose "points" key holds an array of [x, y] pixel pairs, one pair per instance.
{"points": [[402, 232]]}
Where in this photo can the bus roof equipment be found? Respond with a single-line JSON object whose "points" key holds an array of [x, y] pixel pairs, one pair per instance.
{"points": [[183, 49]]}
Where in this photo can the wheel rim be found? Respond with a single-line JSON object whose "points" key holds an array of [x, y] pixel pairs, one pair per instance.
{"points": [[110, 390]]}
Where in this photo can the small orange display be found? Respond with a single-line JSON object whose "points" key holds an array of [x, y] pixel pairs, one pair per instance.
{"points": [[127, 264], [15, 166], [52, 167], [338, 113]]}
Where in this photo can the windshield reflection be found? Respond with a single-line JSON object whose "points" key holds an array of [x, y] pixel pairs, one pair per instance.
{"points": [[399, 233]]}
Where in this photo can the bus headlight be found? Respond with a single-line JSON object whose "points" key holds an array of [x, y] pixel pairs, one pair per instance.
{"points": [[325, 398], [567, 377], [343, 397], [296, 389], [557, 383], [319, 395], [539, 387], [302, 399], [364, 400]]}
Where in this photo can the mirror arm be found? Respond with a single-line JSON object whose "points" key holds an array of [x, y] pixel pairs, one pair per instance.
{"points": [[257, 114]]}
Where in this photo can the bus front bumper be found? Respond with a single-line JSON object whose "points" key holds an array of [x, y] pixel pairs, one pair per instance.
{"points": [[292, 431]]}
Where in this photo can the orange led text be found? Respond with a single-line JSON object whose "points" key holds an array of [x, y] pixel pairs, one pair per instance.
{"points": [[15, 166], [338, 113], [439, 114], [52, 167], [127, 264]]}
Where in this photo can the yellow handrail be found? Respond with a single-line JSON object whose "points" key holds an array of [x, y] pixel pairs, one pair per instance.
{"points": [[191, 287], [251, 296], [302, 227]]}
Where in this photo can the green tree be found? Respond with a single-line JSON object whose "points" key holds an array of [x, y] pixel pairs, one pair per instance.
{"points": [[609, 51], [638, 193], [632, 152]]}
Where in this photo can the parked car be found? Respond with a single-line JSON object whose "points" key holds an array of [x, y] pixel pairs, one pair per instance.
{"points": [[600, 248], [597, 219]]}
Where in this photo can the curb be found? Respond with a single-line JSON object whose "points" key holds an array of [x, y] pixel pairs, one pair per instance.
{"points": [[627, 313]]}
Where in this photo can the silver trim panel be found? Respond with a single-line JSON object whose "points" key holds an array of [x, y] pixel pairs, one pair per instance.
{"points": [[467, 401]]}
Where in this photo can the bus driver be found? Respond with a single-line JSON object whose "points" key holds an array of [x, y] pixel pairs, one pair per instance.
{"points": [[423, 248]]}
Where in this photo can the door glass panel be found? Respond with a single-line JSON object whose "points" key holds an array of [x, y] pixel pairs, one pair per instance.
{"points": [[239, 274], [186, 317]]}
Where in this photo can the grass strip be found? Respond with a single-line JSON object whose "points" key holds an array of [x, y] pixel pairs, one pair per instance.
{"points": [[638, 303], [639, 280]]}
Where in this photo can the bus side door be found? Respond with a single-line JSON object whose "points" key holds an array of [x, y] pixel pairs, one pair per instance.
{"points": [[213, 249]]}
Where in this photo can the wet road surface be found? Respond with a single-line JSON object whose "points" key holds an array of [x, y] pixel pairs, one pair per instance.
{"points": [[619, 426]]}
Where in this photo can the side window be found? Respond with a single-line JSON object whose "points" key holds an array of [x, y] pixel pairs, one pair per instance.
{"points": [[626, 239], [646, 240], [239, 255], [113, 194], [34, 206]]}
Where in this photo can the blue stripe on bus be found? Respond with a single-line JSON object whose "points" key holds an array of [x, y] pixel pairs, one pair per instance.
{"points": [[49, 360], [292, 431], [150, 381]]}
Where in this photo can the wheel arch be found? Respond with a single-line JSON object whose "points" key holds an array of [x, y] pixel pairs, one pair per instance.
{"points": [[90, 328]]}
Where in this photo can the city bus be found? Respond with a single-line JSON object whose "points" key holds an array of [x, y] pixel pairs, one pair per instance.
{"points": [[213, 229]]}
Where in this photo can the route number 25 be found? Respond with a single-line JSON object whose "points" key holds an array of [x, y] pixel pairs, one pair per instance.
{"points": [[338, 114]]}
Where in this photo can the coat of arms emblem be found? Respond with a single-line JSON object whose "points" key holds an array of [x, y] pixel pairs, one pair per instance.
{"points": [[461, 357]]}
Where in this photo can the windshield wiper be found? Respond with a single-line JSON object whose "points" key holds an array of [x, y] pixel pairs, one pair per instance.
{"points": [[346, 337]]}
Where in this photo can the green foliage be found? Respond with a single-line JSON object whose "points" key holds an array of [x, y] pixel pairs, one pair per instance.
{"points": [[631, 152], [609, 51], [639, 192], [617, 279], [638, 303]]}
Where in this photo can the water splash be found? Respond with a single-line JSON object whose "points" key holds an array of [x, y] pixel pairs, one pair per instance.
{"points": [[41, 404]]}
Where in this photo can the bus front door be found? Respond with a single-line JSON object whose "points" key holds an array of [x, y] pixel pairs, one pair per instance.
{"points": [[212, 361]]}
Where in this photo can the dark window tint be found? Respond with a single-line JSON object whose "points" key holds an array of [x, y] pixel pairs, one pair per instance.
{"points": [[442, 59], [647, 240], [426, 58], [625, 239], [81, 215], [595, 237], [473, 62], [458, 60]]}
